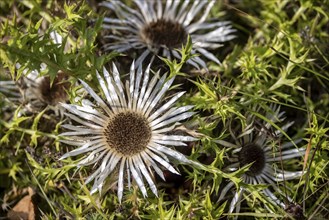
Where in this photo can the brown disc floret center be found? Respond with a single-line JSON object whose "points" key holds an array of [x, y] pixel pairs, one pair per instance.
{"points": [[55, 93], [164, 32], [128, 133], [252, 153]]}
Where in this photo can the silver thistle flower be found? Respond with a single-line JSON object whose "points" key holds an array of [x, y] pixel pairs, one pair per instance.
{"points": [[257, 147], [38, 92], [35, 91], [127, 130], [160, 29]]}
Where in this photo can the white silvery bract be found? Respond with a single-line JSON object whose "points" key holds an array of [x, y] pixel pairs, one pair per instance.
{"points": [[128, 130], [160, 28], [10, 90], [257, 146]]}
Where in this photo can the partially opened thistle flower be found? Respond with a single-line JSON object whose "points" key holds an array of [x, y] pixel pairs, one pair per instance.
{"points": [[161, 29], [257, 147], [128, 130], [39, 92], [35, 91]]}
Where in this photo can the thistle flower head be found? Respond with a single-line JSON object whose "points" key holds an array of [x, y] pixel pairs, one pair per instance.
{"points": [[40, 92], [255, 146], [35, 91], [161, 29], [128, 130]]}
